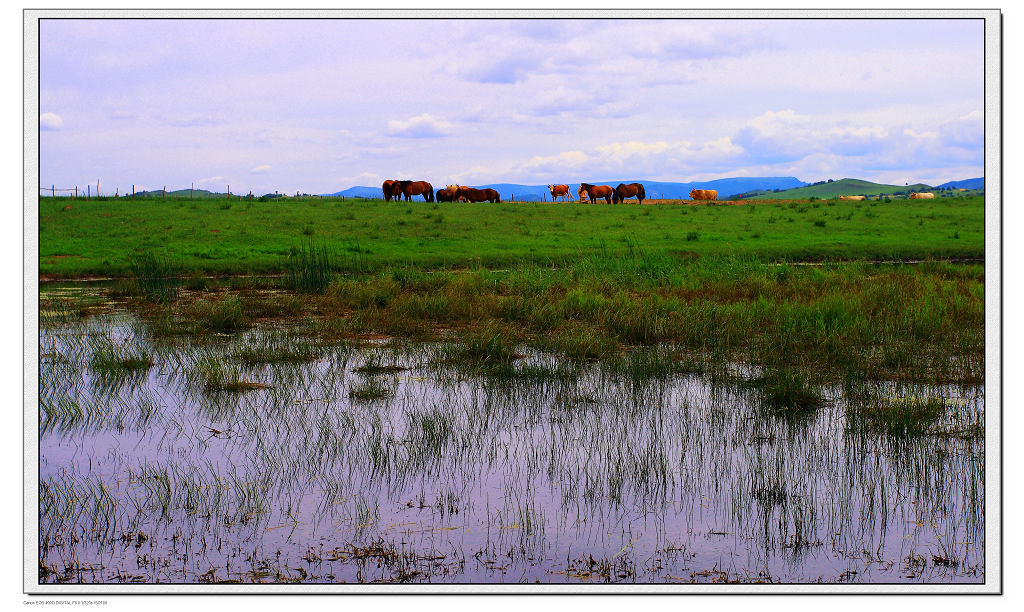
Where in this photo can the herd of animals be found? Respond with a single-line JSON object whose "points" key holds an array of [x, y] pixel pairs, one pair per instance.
{"points": [[461, 193], [593, 193]]}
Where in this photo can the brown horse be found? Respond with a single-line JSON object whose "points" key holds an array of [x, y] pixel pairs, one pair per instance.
{"points": [[453, 192], [631, 190], [479, 195], [390, 191], [443, 195], [559, 190], [596, 191], [415, 188]]}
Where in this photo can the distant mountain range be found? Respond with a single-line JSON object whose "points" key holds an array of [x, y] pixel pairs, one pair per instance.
{"points": [[654, 189], [974, 183]]}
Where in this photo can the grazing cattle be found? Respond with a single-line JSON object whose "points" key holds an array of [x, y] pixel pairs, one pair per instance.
{"points": [[415, 188], [703, 194], [390, 191], [850, 198], [560, 190], [593, 192], [632, 190], [479, 195], [922, 196]]}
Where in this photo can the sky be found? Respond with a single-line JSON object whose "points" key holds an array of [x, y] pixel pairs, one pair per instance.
{"points": [[320, 105]]}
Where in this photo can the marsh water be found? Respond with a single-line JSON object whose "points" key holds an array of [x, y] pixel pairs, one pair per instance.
{"points": [[385, 462]]}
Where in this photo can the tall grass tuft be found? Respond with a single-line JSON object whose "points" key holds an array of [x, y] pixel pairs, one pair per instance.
{"points": [[111, 360], [152, 277], [226, 315], [786, 390], [310, 268], [490, 344], [901, 417]]}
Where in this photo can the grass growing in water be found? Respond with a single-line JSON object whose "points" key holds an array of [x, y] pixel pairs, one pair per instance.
{"points": [[152, 277], [901, 416], [272, 348], [217, 377], [220, 315], [491, 344], [110, 360], [786, 390], [370, 390]]}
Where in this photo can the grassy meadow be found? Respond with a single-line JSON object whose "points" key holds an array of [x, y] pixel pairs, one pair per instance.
{"points": [[101, 237]]}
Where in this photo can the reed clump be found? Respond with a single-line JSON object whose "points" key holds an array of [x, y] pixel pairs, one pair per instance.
{"points": [[220, 315], [913, 415], [152, 277], [786, 390], [111, 359]]}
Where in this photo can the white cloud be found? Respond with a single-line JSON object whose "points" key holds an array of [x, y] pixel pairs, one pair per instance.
{"points": [[422, 126], [50, 122], [632, 159], [263, 169]]}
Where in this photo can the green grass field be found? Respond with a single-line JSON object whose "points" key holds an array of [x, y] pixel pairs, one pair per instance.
{"points": [[237, 237]]}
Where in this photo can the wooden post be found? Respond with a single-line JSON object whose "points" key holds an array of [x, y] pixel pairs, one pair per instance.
{"points": [[76, 192], [190, 190], [117, 192], [133, 192], [165, 193], [88, 195], [53, 190], [97, 188]]}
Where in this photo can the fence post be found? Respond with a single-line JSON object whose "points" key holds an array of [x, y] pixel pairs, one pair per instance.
{"points": [[53, 190], [190, 190], [133, 192], [88, 194], [165, 193], [97, 188], [76, 192]]}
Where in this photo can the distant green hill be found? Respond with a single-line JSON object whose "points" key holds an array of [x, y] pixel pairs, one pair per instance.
{"points": [[179, 193], [846, 186]]}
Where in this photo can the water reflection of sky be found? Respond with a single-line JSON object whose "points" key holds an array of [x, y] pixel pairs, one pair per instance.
{"points": [[483, 480]]}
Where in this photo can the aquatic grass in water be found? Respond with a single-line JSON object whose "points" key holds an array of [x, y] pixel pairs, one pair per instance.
{"points": [[912, 415], [582, 341], [269, 348], [111, 359], [218, 377], [531, 467], [491, 344], [786, 390], [153, 277], [220, 315], [370, 390]]}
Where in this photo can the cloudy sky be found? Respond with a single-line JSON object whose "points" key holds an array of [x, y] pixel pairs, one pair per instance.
{"points": [[318, 106]]}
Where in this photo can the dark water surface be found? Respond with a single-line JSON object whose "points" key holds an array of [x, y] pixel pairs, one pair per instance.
{"points": [[563, 473]]}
